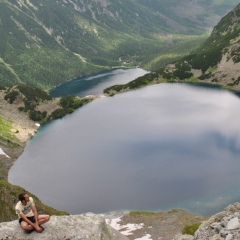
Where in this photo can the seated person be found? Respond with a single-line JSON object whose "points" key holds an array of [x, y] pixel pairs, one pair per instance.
{"points": [[28, 216]]}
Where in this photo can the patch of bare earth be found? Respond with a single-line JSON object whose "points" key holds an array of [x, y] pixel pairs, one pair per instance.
{"points": [[49, 106], [161, 225], [23, 128]]}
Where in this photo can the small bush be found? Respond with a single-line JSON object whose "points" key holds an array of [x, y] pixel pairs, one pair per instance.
{"points": [[58, 113], [138, 213], [191, 229], [37, 115], [70, 102], [205, 76], [21, 109], [182, 74], [29, 106], [33, 93], [11, 96], [167, 75]]}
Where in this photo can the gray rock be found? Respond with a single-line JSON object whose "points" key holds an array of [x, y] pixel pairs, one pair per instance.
{"points": [[216, 237], [233, 224], [184, 237], [75, 227], [222, 226], [229, 237]]}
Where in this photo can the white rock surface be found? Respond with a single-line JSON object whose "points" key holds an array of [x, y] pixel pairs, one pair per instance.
{"points": [[74, 227], [233, 224]]}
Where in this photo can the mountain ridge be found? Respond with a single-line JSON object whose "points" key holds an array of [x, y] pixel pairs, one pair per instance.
{"points": [[226, 37], [216, 61], [46, 43]]}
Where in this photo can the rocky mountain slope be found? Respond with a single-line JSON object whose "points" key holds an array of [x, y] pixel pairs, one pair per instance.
{"points": [[216, 61], [45, 43], [115, 225], [222, 226], [134, 225]]}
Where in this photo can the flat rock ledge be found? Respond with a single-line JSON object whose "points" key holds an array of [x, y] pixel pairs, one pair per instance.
{"points": [[74, 227], [221, 226]]}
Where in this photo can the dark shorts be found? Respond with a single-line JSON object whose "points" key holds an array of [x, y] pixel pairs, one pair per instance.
{"points": [[32, 219]]}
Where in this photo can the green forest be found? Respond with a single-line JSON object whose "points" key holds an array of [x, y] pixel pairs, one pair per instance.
{"points": [[47, 43]]}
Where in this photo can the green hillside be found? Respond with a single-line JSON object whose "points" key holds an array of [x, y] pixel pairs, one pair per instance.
{"points": [[9, 197], [216, 61], [46, 43]]}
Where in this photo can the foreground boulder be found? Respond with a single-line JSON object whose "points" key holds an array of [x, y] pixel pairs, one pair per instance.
{"points": [[74, 227], [222, 226]]}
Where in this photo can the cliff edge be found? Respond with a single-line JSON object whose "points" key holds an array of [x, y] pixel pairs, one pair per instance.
{"points": [[85, 226]]}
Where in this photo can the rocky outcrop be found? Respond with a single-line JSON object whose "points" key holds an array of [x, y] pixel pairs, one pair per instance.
{"points": [[167, 225], [222, 226], [74, 227]]}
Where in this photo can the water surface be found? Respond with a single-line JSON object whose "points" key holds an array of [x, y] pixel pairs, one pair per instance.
{"points": [[95, 84], [161, 147]]}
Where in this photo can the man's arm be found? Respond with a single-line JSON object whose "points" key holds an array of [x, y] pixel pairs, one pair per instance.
{"points": [[34, 209], [34, 225]]}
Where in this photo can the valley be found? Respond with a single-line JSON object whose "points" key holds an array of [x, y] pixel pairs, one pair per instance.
{"points": [[44, 44], [85, 37]]}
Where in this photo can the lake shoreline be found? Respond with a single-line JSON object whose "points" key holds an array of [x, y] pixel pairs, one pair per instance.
{"points": [[28, 133], [103, 140]]}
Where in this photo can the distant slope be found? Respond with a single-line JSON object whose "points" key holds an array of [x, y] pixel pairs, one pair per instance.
{"points": [[216, 61], [45, 43]]}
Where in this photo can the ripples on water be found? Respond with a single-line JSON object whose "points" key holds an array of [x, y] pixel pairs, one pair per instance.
{"points": [[164, 146]]}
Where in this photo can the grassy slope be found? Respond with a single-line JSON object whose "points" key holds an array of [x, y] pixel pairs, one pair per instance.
{"points": [[5, 130], [46, 43], [205, 58], [8, 199]]}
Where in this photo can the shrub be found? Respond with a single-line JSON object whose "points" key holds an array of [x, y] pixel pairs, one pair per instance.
{"points": [[37, 115], [191, 229], [182, 74], [183, 66], [33, 93], [205, 76], [58, 113], [167, 75], [70, 102], [11, 96], [29, 105], [21, 109]]}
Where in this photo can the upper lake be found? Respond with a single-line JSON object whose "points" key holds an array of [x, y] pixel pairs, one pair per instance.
{"points": [[160, 147], [95, 84]]}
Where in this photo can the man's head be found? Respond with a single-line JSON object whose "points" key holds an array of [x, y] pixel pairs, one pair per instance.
{"points": [[23, 197]]}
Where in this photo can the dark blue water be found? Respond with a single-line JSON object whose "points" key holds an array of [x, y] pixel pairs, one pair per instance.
{"points": [[161, 147], [95, 84]]}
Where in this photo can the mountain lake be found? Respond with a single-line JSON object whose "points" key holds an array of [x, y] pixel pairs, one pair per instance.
{"points": [[157, 148]]}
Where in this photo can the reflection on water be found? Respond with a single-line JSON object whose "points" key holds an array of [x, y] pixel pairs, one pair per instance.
{"points": [[164, 146]]}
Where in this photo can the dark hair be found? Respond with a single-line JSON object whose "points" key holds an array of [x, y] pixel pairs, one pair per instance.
{"points": [[21, 196]]}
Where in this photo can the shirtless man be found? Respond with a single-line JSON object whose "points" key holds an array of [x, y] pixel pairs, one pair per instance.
{"points": [[28, 216]]}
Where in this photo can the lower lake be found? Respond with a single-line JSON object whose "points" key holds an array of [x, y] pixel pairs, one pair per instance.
{"points": [[157, 148]]}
